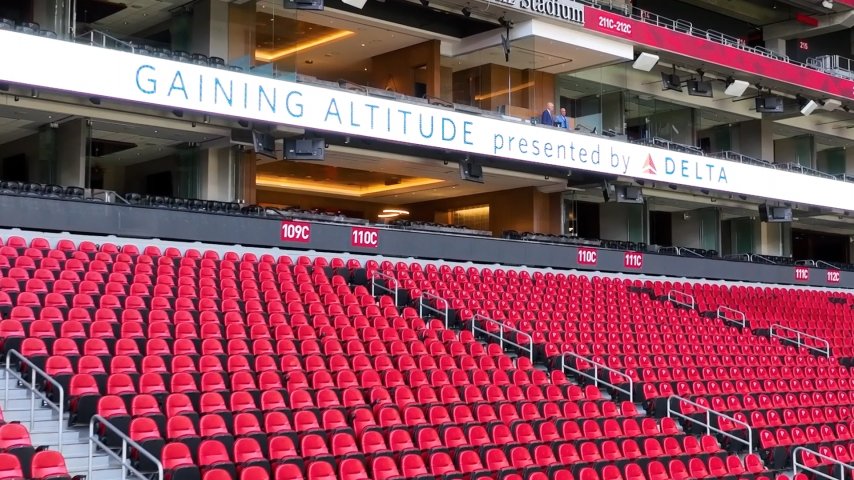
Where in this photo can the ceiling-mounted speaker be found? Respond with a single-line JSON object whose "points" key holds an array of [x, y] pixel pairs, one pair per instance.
{"points": [[736, 88], [645, 62]]}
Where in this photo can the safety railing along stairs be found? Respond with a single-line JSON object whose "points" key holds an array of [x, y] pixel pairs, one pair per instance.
{"points": [[827, 467], [790, 336], [731, 315], [708, 420], [681, 299], [596, 372], [24, 402]]}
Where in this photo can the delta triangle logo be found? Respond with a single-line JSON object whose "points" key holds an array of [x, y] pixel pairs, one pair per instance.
{"points": [[649, 166]]}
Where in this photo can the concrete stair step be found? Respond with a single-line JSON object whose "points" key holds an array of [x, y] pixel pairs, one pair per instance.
{"points": [[39, 415], [51, 439], [23, 404], [14, 392]]}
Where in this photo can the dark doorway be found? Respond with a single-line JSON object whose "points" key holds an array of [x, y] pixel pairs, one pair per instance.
{"points": [[809, 245]]}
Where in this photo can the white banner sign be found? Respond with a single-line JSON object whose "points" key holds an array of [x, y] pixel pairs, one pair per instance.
{"points": [[55, 64]]}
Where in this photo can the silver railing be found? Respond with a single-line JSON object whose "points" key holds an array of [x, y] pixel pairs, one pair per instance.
{"points": [[738, 157], [597, 368], [32, 385], [424, 306], [732, 315], [822, 263], [799, 338], [842, 468], [95, 441], [707, 423], [98, 38], [501, 335], [392, 290], [680, 251], [681, 298], [835, 65]]}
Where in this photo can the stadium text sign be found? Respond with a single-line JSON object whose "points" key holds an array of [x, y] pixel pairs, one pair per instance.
{"points": [[295, 231], [130, 77]]}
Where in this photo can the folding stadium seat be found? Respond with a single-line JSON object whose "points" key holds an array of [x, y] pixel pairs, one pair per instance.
{"points": [[288, 472], [320, 471], [213, 454], [146, 433], [15, 440], [10, 467], [178, 462], [48, 464]]}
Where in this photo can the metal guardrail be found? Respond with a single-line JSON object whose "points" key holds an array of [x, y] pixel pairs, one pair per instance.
{"points": [[835, 65], [842, 467], [598, 367], [100, 39], [32, 386], [822, 263], [95, 440], [799, 339], [681, 298], [680, 251], [385, 288], [502, 339], [724, 312], [671, 412], [798, 168], [738, 157], [422, 306]]}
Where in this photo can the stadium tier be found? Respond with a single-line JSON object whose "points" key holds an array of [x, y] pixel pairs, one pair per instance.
{"points": [[230, 365]]}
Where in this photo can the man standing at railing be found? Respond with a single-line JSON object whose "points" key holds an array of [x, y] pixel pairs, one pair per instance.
{"points": [[547, 117]]}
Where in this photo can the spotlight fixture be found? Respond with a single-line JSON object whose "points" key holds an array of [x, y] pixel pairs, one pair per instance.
{"points": [[645, 62], [807, 106], [735, 88], [830, 104], [360, 4], [34, 93], [827, 4], [466, 12]]}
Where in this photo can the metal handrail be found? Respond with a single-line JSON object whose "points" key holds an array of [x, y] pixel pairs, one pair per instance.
{"points": [[104, 37], [842, 466], [740, 256], [805, 263], [829, 265], [94, 440], [597, 367], [501, 338], [799, 335], [36, 372], [722, 313], [764, 259], [835, 65], [424, 306], [686, 300], [389, 290], [671, 412]]}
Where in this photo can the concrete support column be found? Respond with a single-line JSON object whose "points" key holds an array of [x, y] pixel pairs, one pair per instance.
{"points": [[756, 139], [71, 165], [210, 28], [769, 241], [217, 174], [54, 15]]}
